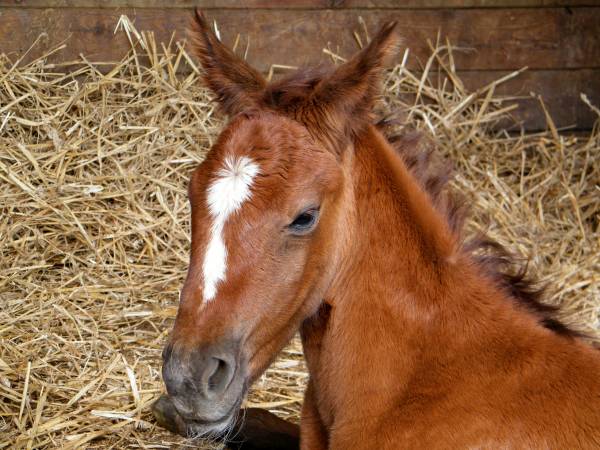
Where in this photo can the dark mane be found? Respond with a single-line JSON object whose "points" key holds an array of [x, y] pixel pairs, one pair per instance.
{"points": [[494, 260]]}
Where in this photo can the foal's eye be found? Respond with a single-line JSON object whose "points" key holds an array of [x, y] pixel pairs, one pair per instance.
{"points": [[305, 221]]}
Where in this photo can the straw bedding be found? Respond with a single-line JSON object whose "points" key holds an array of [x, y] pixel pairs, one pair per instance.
{"points": [[94, 228]]}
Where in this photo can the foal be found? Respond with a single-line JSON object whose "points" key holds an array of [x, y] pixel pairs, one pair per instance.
{"points": [[304, 217]]}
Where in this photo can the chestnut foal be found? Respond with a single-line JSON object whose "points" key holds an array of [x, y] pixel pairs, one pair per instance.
{"points": [[305, 217]]}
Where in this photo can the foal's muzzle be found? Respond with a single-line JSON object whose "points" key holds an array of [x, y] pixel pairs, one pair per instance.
{"points": [[206, 384]]}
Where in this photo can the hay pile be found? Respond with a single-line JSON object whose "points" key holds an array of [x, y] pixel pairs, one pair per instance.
{"points": [[94, 229]]}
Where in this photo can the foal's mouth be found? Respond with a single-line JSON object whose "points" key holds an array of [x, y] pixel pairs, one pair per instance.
{"points": [[217, 429], [167, 416], [200, 428], [196, 427]]}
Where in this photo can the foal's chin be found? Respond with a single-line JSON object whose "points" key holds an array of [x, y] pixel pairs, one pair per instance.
{"points": [[196, 428], [219, 429], [196, 425]]}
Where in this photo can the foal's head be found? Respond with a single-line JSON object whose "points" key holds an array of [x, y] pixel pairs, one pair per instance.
{"points": [[269, 205]]}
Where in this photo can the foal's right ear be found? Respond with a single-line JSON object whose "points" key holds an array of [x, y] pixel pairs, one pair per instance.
{"points": [[345, 98], [237, 86]]}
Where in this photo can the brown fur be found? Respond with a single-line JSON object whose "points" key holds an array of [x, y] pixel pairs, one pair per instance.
{"points": [[412, 339]]}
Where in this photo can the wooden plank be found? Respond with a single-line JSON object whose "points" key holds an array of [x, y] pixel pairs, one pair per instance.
{"points": [[500, 39], [559, 89], [298, 4]]}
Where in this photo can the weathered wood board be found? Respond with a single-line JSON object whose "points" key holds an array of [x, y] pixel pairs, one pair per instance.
{"points": [[559, 40], [499, 39], [559, 89], [300, 4]]}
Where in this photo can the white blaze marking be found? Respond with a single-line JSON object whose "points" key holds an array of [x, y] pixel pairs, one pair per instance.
{"points": [[225, 195]]}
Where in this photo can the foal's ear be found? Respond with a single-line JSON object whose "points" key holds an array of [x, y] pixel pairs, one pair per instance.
{"points": [[238, 86], [351, 90]]}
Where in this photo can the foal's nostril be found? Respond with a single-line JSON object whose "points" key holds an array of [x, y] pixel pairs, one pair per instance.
{"points": [[199, 380], [216, 377]]}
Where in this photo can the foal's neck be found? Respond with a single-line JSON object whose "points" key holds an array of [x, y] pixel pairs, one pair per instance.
{"points": [[407, 302], [404, 258], [399, 238]]}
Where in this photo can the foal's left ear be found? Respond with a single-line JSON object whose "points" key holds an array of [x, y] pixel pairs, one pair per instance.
{"points": [[238, 86], [350, 91]]}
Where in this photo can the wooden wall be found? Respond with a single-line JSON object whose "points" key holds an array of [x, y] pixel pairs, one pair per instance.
{"points": [[559, 40]]}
